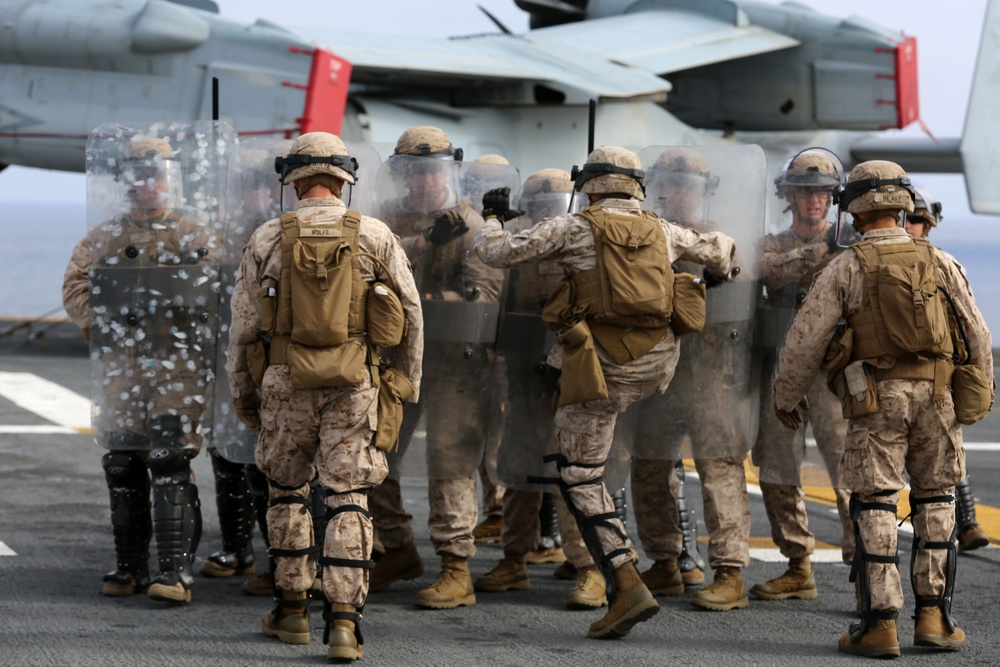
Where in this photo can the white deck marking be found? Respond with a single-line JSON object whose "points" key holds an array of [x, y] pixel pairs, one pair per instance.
{"points": [[6, 551], [46, 399]]}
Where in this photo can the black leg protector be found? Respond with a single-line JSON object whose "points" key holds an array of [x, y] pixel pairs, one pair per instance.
{"points": [[549, 537], [951, 546], [236, 516], [690, 558], [965, 507], [128, 483], [621, 505], [320, 514], [176, 515], [588, 524], [328, 614], [257, 483], [859, 569]]}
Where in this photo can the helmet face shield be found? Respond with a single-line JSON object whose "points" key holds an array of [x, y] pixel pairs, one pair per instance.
{"points": [[151, 182], [544, 205]]}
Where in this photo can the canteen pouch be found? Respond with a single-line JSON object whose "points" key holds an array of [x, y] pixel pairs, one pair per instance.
{"points": [[689, 304], [393, 390], [972, 392]]}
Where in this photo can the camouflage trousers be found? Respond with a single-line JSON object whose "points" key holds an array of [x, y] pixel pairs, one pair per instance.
{"points": [[326, 432], [780, 452], [492, 492], [912, 433], [584, 436], [452, 518], [522, 527], [655, 487]]}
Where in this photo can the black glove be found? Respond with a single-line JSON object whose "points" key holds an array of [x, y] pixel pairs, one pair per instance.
{"points": [[446, 228], [714, 281], [496, 204]]}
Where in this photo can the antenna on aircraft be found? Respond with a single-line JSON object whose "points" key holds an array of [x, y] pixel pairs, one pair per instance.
{"points": [[504, 29]]}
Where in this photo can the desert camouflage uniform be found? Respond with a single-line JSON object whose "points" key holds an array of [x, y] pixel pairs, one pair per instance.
{"points": [[456, 388], [187, 239], [912, 432], [584, 432], [330, 428], [788, 267]]}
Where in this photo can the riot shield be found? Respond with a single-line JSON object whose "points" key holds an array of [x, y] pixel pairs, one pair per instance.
{"points": [[256, 196], [156, 199], [710, 408], [806, 190], [423, 200]]}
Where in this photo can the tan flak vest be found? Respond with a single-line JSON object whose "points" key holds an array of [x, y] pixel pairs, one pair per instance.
{"points": [[628, 299], [318, 308], [902, 329]]}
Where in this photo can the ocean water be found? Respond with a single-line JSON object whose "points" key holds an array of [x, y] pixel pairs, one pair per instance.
{"points": [[38, 240]]}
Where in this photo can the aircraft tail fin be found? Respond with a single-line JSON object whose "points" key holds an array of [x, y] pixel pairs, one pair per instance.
{"points": [[981, 139]]}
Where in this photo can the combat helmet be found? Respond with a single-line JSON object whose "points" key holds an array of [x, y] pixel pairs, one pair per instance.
{"points": [[611, 170], [492, 158], [546, 191], [876, 185], [683, 167], [316, 153], [925, 208], [150, 172], [427, 141], [813, 168]]}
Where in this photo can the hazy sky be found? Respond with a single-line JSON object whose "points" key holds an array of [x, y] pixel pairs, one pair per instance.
{"points": [[947, 36]]}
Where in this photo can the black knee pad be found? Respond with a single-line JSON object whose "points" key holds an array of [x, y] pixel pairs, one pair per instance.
{"points": [[169, 465], [124, 469]]}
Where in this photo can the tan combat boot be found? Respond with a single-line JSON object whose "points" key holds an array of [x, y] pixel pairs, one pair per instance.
{"points": [[343, 641], [932, 631], [396, 565], [796, 582], [453, 587], [972, 537], [262, 584], [289, 624], [664, 578], [695, 577], [489, 530], [725, 593], [633, 603], [549, 555], [511, 574], [878, 641], [590, 591]]}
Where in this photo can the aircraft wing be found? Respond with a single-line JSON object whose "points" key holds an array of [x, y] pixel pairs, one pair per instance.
{"points": [[666, 40], [488, 60]]}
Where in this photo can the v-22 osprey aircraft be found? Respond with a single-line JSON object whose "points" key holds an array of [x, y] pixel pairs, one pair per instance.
{"points": [[684, 72]]}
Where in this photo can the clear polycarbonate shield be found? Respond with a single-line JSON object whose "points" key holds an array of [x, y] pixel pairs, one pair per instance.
{"points": [[361, 195], [790, 260], [710, 408], [423, 200], [255, 197], [521, 421], [156, 202]]}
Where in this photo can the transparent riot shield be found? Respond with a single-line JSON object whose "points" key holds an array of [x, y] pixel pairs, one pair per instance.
{"points": [[156, 199], [256, 196], [805, 189], [710, 408], [422, 199], [361, 195]]}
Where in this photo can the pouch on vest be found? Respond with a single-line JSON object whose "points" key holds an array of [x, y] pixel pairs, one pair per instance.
{"points": [[838, 353], [637, 266], [386, 319], [267, 297], [912, 308], [321, 367], [855, 387], [558, 310], [393, 389], [582, 378], [321, 290], [972, 392], [689, 304]]}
